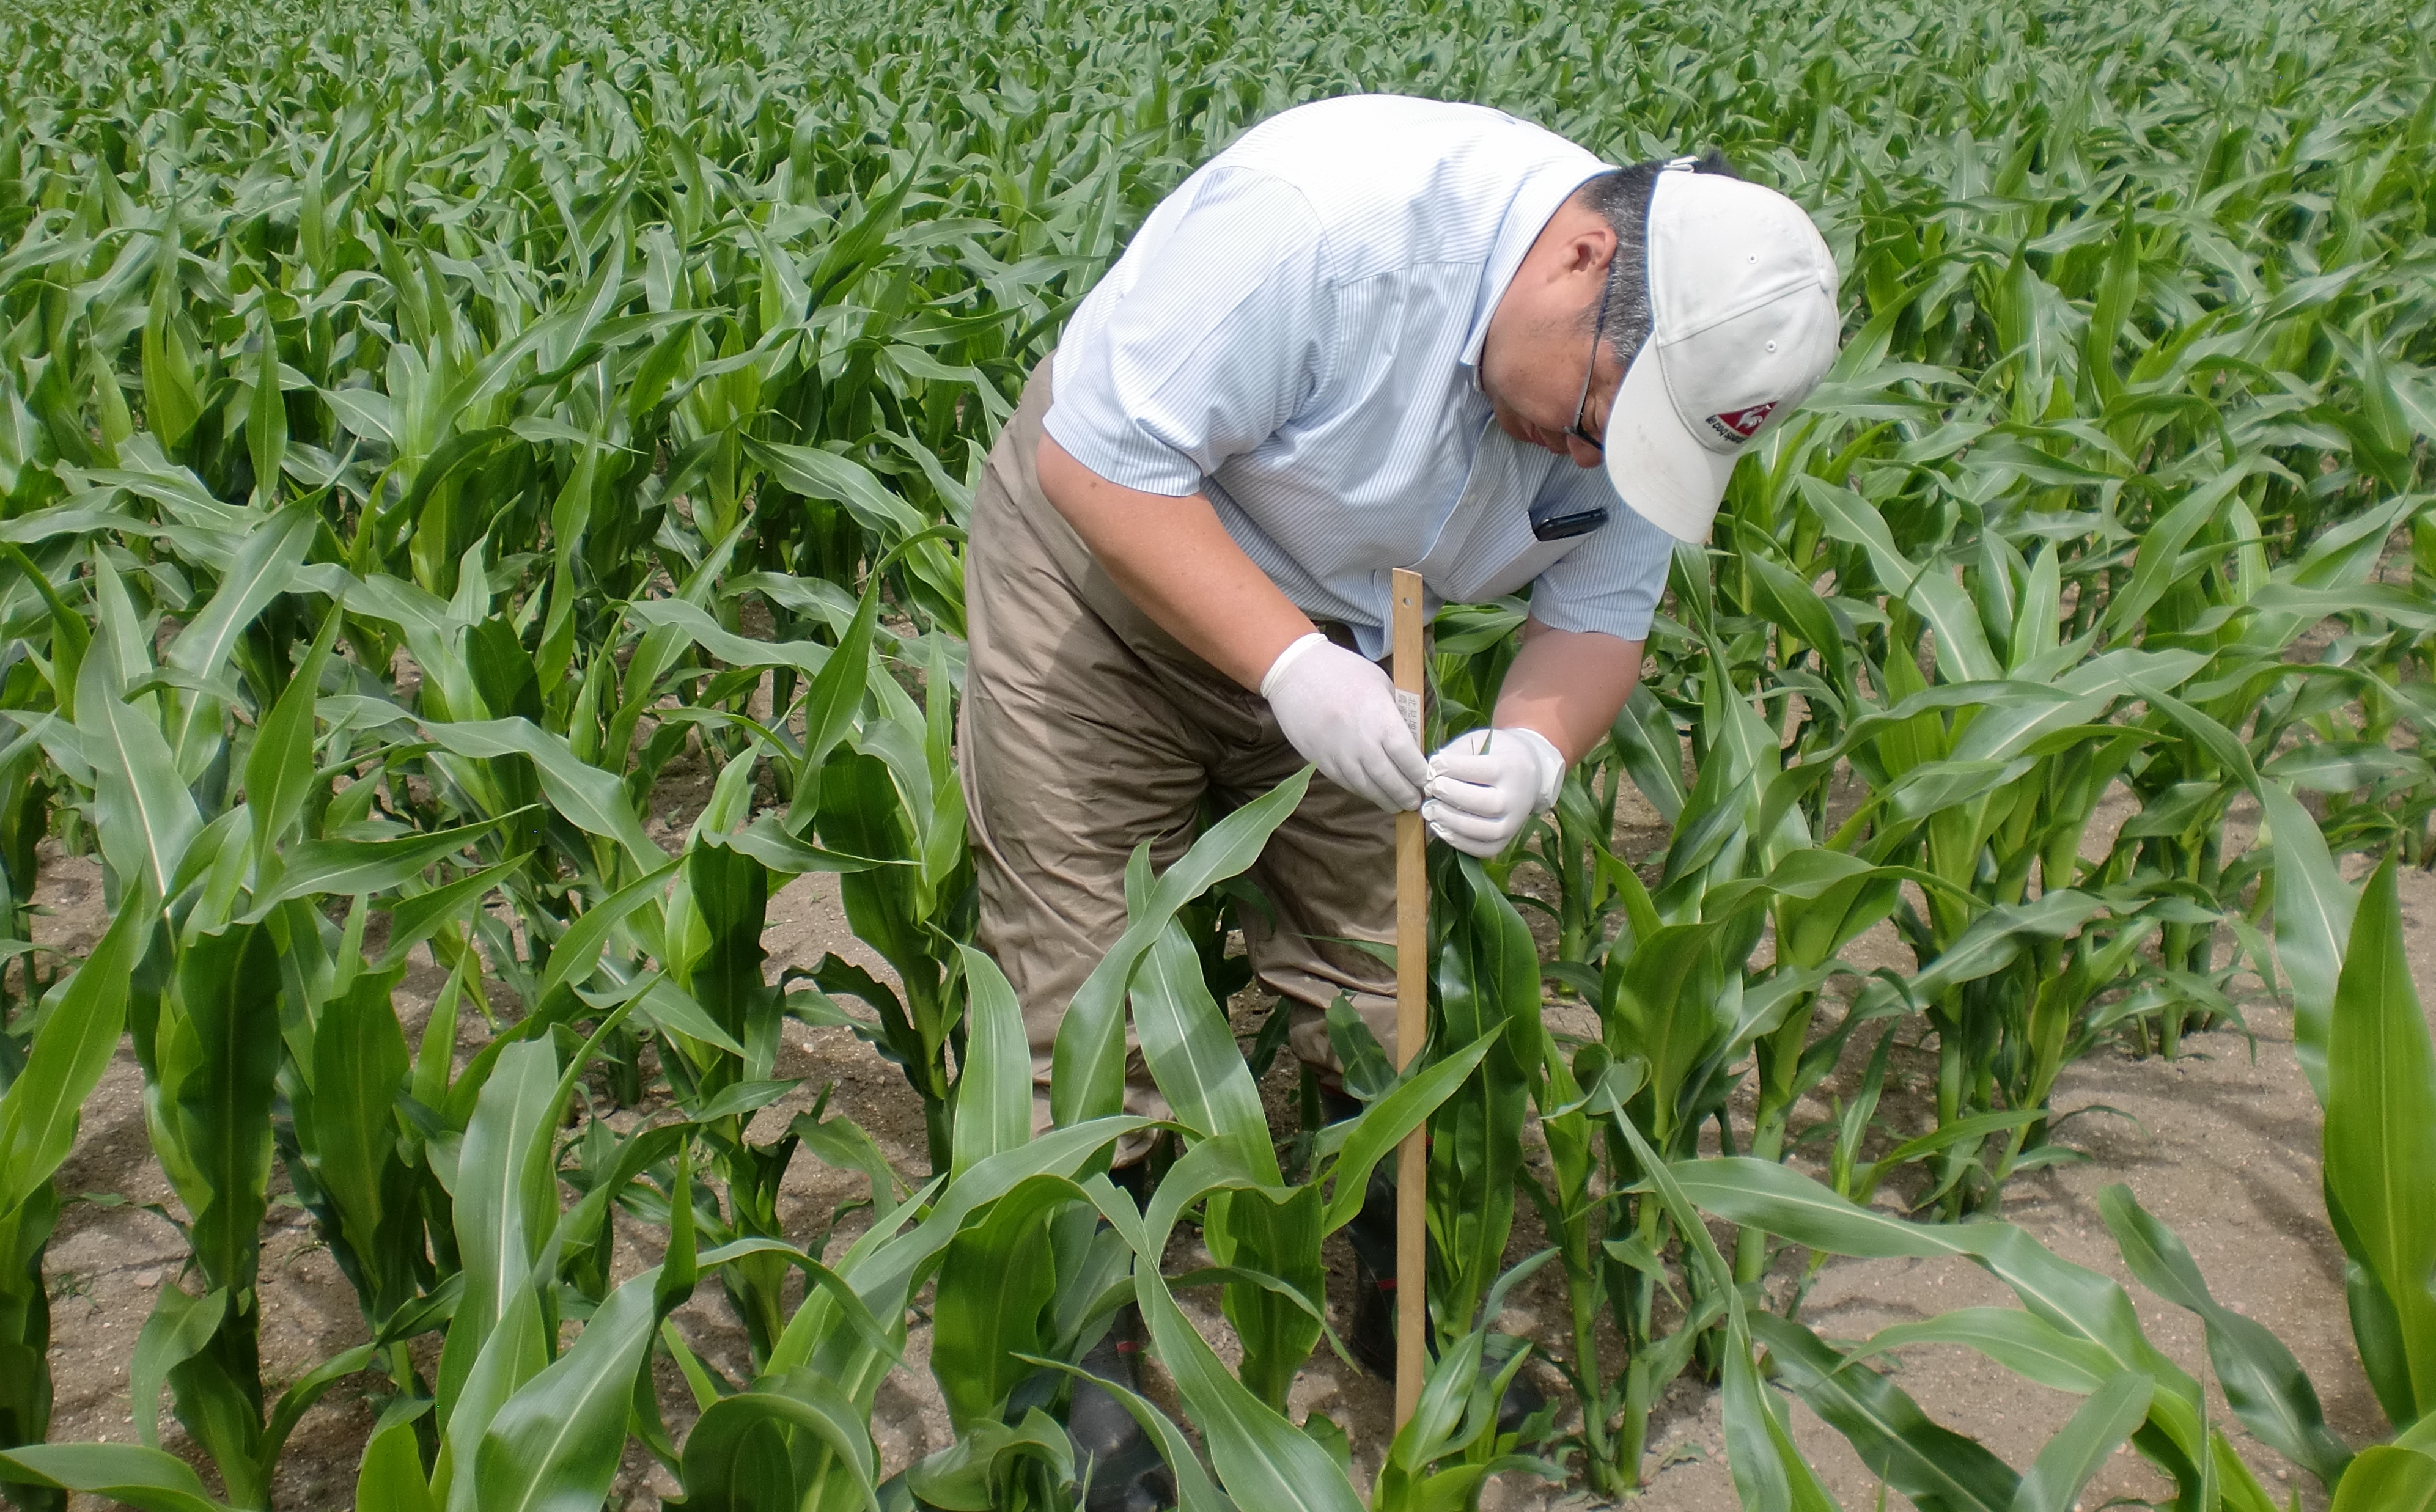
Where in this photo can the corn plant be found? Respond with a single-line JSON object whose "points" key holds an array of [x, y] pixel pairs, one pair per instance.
{"points": [[2078, 1331]]}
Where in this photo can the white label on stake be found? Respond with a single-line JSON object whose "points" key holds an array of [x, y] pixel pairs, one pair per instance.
{"points": [[1409, 706]]}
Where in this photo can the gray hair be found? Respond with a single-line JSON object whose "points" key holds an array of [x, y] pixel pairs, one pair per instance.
{"points": [[1621, 196]]}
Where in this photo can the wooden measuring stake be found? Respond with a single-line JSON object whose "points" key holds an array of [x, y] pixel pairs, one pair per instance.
{"points": [[1412, 1022]]}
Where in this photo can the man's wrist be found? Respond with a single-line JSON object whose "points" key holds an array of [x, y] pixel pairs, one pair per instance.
{"points": [[1295, 650]]}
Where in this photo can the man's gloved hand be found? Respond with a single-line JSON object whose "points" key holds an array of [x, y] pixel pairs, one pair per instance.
{"points": [[1485, 785], [1339, 710]]}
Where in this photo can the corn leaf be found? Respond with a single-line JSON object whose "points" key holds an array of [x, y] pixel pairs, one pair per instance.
{"points": [[2381, 1139]]}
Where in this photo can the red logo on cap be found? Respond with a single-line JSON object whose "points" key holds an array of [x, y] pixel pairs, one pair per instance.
{"points": [[1741, 425]]}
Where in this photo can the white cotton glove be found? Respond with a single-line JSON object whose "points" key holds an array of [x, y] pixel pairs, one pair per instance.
{"points": [[1485, 786], [1339, 710]]}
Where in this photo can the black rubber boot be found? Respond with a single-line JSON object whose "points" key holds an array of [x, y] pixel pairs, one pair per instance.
{"points": [[1116, 1461], [1372, 1234]]}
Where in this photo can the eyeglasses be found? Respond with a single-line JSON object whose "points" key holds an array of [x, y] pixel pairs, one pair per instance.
{"points": [[1546, 524], [1582, 406]]}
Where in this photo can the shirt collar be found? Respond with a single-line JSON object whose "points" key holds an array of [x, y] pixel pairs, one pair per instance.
{"points": [[1536, 199]]}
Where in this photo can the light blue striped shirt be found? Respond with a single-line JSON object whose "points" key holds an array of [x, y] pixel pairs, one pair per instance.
{"points": [[1296, 331]]}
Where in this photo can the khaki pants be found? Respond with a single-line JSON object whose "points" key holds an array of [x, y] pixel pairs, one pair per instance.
{"points": [[1085, 730]]}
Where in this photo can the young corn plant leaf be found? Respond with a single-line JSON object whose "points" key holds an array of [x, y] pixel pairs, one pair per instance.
{"points": [[227, 1000], [349, 1130], [2080, 1448], [1209, 1087], [2262, 1383], [415, 919], [145, 817], [1088, 1075], [390, 1477], [279, 768], [300, 1397], [1382, 1126], [2023, 1343], [2380, 1140], [501, 1219], [1452, 1443], [2078, 1303], [996, 1280], [835, 698], [70, 635], [1935, 1466], [1192, 1053], [580, 950], [2314, 910], [737, 1458], [1271, 1250], [1768, 1472], [262, 568], [346, 868], [587, 797], [1487, 978], [131, 1474], [1262, 1459], [180, 1327], [993, 1089], [885, 1266], [557, 1442], [72, 1047], [1432, 1426], [2389, 1478]]}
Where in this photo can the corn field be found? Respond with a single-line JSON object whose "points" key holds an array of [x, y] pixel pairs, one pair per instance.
{"points": [[422, 424]]}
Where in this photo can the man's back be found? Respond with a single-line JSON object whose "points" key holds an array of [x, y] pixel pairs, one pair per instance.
{"points": [[1397, 182], [1295, 332]]}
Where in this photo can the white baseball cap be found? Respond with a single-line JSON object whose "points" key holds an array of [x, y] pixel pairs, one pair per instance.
{"points": [[1742, 302]]}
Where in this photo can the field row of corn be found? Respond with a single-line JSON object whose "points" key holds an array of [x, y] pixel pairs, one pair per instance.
{"points": [[421, 426]]}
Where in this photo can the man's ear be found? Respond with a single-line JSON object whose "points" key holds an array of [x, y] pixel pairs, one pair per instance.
{"points": [[1592, 249]]}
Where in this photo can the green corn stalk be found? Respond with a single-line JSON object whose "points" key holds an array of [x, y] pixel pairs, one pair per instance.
{"points": [[716, 1021], [1486, 979], [208, 1100], [890, 794]]}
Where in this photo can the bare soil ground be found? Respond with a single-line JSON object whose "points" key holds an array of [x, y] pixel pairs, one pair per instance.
{"points": [[2222, 1144]]}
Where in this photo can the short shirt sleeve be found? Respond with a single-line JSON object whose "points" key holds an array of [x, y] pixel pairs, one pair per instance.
{"points": [[1204, 340], [1612, 581]]}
